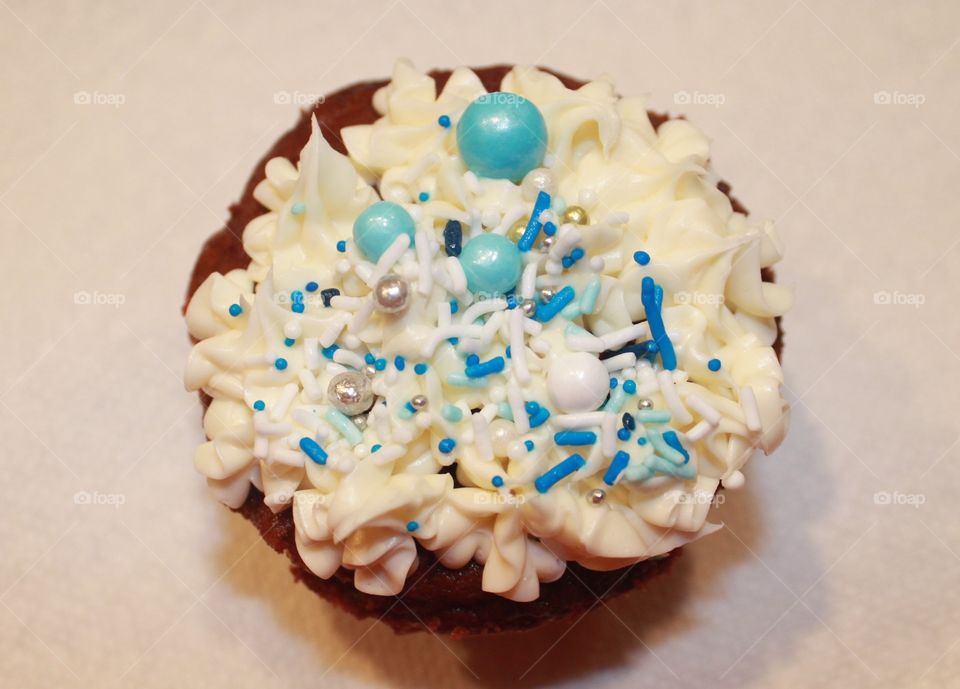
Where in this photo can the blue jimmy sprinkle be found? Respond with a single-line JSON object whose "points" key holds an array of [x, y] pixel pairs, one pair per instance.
{"points": [[547, 311], [651, 295], [453, 238], [630, 386], [617, 465], [539, 417], [289, 342], [529, 445], [545, 482], [446, 445], [369, 358], [485, 368], [330, 351], [311, 448], [575, 438], [529, 236], [623, 434]]}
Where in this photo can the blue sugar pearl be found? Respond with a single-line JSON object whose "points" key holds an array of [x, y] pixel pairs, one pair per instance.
{"points": [[472, 360], [614, 383], [567, 261], [492, 264], [375, 447], [342, 246], [312, 286], [330, 351], [297, 307], [509, 352], [502, 135], [296, 296], [412, 526], [549, 229], [378, 226], [714, 364], [446, 445], [380, 364], [235, 310], [641, 440], [420, 369], [444, 121], [289, 341], [259, 405], [497, 481], [280, 363], [532, 407], [577, 253], [423, 196], [529, 445], [623, 434], [630, 386], [298, 208], [454, 306], [641, 257], [369, 358], [399, 362]]}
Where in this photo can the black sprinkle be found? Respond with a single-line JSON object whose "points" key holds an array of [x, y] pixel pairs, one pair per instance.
{"points": [[453, 238], [329, 294], [629, 422]]}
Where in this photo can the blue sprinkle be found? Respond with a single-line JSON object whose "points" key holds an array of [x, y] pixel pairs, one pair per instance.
{"points": [[297, 307], [369, 358], [330, 351], [556, 473], [617, 465], [629, 422], [613, 383], [444, 121], [296, 296], [298, 208], [472, 360], [641, 257], [714, 364], [494, 365], [575, 438], [342, 246], [328, 294], [651, 295], [289, 341], [641, 441], [529, 236], [454, 306], [549, 229], [509, 352], [623, 434], [529, 445], [532, 407], [497, 481], [453, 340], [577, 254], [670, 437], [453, 238], [423, 196], [410, 408], [311, 448], [539, 418], [235, 310], [547, 311], [567, 261], [280, 363], [312, 286], [412, 525], [399, 362], [630, 386], [420, 369], [446, 445], [380, 364], [376, 447], [259, 405]]}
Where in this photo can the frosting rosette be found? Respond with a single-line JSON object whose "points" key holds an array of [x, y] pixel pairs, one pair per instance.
{"points": [[563, 363]]}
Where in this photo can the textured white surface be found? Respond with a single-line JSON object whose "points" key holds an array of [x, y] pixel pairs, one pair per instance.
{"points": [[812, 584]]}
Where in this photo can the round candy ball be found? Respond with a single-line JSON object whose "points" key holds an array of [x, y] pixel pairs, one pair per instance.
{"points": [[578, 382], [502, 135], [378, 226], [491, 263]]}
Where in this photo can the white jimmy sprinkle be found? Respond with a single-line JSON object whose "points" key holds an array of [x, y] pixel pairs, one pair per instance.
{"points": [[518, 354], [262, 426], [481, 436], [280, 407], [704, 409], [620, 337], [482, 307], [261, 444], [608, 435], [520, 419], [700, 431], [528, 281], [414, 172], [348, 358], [458, 279], [425, 264], [332, 331], [620, 361], [455, 330], [672, 397], [361, 316], [567, 237], [388, 453], [346, 303], [751, 411], [388, 259], [281, 455], [588, 418], [311, 352], [584, 342]]}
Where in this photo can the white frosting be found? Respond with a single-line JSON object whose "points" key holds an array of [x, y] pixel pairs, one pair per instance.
{"points": [[644, 189]]}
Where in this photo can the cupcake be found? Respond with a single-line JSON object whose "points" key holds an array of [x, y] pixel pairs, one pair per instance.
{"points": [[478, 348]]}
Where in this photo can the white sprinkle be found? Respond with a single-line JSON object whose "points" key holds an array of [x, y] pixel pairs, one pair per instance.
{"points": [[361, 317], [520, 419], [581, 420], [617, 218], [490, 217], [311, 352], [331, 332], [481, 434], [280, 407], [528, 281], [306, 418], [481, 307], [518, 353], [620, 361], [388, 258], [672, 397], [567, 237], [456, 330], [425, 283], [281, 455], [620, 337], [511, 216], [292, 329], [584, 342], [262, 426], [751, 411], [700, 431], [735, 480], [532, 327], [608, 435], [553, 267], [333, 369], [346, 303], [443, 314], [351, 341], [704, 409], [423, 420], [260, 447], [364, 270], [348, 358], [597, 264], [415, 171], [343, 266], [458, 279], [539, 345], [471, 182], [490, 411], [387, 454], [587, 197]]}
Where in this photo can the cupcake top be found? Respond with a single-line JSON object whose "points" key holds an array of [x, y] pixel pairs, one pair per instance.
{"points": [[521, 327]]}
